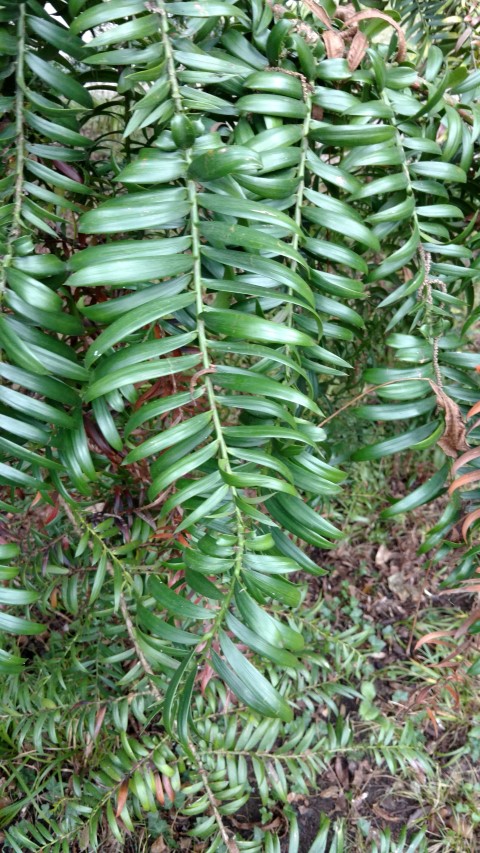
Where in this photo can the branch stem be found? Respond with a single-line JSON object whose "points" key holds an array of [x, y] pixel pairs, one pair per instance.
{"points": [[16, 226]]}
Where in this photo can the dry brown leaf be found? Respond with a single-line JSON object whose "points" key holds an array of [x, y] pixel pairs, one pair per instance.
{"points": [[334, 44], [464, 480], [433, 637], [357, 51], [472, 586], [122, 797], [473, 426], [158, 846], [467, 623], [431, 716], [365, 14], [465, 458], [463, 38], [385, 815], [452, 658], [159, 789], [343, 13], [99, 720], [453, 439], [383, 556], [475, 410], [454, 694], [331, 793], [470, 519], [167, 785], [319, 12]]}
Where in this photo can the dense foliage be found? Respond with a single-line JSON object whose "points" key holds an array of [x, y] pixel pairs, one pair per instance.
{"points": [[222, 224]]}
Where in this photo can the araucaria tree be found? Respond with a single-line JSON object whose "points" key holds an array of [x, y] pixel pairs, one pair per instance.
{"points": [[220, 220]]}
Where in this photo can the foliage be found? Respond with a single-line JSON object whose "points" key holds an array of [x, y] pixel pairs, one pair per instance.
{"points": [[190, 310]]}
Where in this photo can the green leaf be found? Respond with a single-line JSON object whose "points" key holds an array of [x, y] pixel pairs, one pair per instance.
{"points": [[243, 380], [10, 664], [207, 9], [139, 373], [123, 272], [261, 266], [332, 174], [381, 186], [276, 82], [396, 444], [240, 675], [402, 411], [276, 105], [154, 167], [437, 169], [105, 253], [219, 162], [247, 480], [423, 494], [159, 407], [234, 324], [133, 320], [136, 211], [176, 603], [102, 13], [338, 216], [340, 255], [56, 132], [175, 471], [162, 629], [55, 179], [245, 209], [60, 82], [168, 437], [239, 235], [137, 28], [170, 695], [17, 625], [279, 656], [212, 63], [350, 136], [398, 258], [59, 37], [440, 211]]}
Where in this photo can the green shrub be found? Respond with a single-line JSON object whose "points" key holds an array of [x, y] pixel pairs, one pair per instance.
{"points": [[220, 220]]}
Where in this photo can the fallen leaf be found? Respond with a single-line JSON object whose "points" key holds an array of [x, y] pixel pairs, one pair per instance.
{"points": [[158, 846], [383, 556], [330, 793], [400, 585], [385, 815]]}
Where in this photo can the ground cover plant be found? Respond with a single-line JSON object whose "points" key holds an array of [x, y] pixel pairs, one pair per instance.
{"points": [[238, 338]]}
